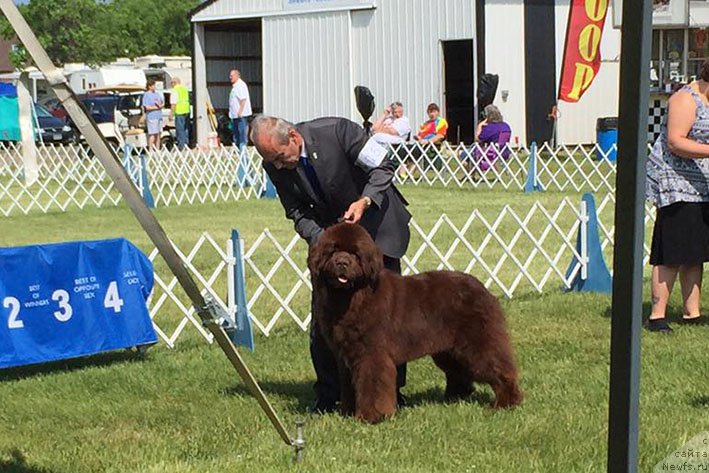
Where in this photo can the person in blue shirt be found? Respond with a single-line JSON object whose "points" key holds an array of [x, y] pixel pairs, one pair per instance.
{"points": [[153, 103]]}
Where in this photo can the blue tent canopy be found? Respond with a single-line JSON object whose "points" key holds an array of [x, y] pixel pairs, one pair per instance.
{"points": [[8, 90], [9, 113]]}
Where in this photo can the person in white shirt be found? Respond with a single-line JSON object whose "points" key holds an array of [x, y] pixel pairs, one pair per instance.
{"points": [[392, 127], [239, 108]]}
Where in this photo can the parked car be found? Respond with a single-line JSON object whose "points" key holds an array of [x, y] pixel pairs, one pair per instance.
{"points": [[54, 105], [52, 129], [46, 128]]}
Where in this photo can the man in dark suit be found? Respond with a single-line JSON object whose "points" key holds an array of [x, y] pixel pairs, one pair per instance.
{"points": [[327, 170]]}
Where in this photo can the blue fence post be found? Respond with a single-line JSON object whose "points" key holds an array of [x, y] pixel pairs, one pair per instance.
{"points": [[269, 190], [127, 153], [532, 185], [243, 177], [594, 277], [145, 182], [243, 335]]}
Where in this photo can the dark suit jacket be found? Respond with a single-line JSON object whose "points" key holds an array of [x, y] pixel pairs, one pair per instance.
{"points": [[333, 146]]}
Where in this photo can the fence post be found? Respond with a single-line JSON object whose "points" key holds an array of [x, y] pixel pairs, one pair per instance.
{"points": [[269, 190], [243, 335], [594, 275], [243, 177], [139, 176], [127, 153], [532, 184], [145, 182]]}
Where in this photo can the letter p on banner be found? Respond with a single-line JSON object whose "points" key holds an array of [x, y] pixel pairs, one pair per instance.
{"points": [[582, 55]]}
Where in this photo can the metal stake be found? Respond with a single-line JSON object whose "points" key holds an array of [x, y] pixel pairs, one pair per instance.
{"points": [[299, 443], [206, 309]]}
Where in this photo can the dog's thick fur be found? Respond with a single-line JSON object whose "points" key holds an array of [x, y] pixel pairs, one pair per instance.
{"points": [[374, 319]]}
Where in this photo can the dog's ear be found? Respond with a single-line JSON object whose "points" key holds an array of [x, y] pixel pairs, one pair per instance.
{"points": [[372, 261], [317, 257]]}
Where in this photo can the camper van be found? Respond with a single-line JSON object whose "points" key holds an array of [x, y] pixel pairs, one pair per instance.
{"points": [[86, 80]]}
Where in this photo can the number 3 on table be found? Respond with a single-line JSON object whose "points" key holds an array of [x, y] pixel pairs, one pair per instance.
{"points": [[65, 311]]}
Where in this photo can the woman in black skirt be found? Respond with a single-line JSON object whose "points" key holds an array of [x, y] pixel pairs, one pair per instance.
{"points": [[678, 185]]}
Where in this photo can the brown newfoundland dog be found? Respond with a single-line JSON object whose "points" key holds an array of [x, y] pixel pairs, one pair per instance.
{"points": [[374, 319]]}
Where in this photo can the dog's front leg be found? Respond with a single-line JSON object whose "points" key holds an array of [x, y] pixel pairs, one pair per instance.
{"points": [[347, 395], [374, 382]]}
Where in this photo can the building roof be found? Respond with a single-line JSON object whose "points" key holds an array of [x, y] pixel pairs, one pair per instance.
{"points": [[201, 7]]}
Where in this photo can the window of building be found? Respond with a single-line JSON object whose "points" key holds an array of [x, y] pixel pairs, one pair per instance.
{"points": [[697, 50], [677, 56]]}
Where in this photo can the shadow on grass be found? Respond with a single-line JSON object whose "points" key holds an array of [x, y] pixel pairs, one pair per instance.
{"points": [[435, 396], [700, 401], [300, 395], [18, 464], [75, 364], [673, 315], [646, 310]]}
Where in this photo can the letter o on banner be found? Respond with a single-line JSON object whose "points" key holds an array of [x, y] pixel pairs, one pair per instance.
{"points": [[596, 9], [589, 40]]}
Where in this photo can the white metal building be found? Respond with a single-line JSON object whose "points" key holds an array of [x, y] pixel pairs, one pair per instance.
{"points": [[303, 58]]}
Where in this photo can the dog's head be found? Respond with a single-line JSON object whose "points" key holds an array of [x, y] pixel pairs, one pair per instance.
{"points": [[345, 257]]}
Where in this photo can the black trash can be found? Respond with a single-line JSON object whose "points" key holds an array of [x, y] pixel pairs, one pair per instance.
{"points": [[606, 137]]}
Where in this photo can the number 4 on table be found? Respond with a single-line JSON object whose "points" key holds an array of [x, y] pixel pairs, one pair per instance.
{"points": [[113, 299]]}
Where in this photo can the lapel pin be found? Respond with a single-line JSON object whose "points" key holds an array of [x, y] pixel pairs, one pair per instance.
{"points": [[315, 156]]}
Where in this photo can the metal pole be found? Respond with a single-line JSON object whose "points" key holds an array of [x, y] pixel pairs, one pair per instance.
{"points": [[629, 229], [207, 310]]}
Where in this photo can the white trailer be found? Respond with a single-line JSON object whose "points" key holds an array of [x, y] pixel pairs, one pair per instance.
{"points": [[88, 79]]}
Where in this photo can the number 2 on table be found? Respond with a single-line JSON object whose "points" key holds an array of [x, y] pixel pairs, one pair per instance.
{"points": [[14, 306]]}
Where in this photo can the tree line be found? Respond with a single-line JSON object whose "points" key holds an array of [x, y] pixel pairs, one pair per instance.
{"points": [[97, 32]]}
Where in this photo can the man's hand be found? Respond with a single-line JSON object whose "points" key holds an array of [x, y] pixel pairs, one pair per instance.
{"points": [[356, 210]]}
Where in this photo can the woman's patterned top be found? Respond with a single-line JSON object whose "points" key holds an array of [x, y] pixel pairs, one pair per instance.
{"points": [[671, 178]]}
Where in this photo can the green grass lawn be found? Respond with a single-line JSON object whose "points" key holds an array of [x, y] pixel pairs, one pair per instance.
{"points": [[185, 409]]}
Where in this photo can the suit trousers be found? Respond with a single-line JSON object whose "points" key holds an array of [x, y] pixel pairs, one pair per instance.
{"points": [[327, 384]]}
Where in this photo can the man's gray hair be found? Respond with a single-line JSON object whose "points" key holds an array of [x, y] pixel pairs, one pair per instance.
{"points": [[270, 126]]}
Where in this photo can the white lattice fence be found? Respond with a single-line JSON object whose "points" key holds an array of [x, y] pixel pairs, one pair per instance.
{"points": [[209, 263], [512, 250], [578, 168], [197, 176], [70, 177], [606, 207]]}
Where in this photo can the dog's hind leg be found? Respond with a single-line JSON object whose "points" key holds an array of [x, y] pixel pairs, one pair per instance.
{"points": [[374, 382], [459, 379], [494, 365]]}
